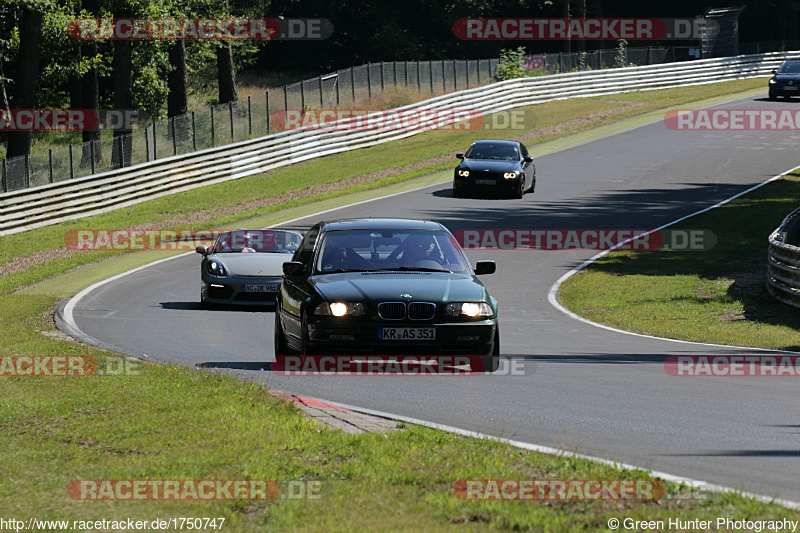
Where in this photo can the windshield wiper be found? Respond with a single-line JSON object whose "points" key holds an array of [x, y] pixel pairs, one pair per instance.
{"points": [[411, 269], [341, 270]]}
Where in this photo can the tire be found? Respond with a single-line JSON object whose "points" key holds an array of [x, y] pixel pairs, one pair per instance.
{"points": [[491, 363], [772, 96], [521, 192], [305, 342], [457, 193], [281, 348]]}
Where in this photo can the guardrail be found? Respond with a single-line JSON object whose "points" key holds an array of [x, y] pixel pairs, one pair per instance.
{"points": [[783, 261], [54, 203]]}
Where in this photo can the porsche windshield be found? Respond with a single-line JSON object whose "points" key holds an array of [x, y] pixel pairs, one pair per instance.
{"points": [[257, 241], [389, 250], [484, 150]]}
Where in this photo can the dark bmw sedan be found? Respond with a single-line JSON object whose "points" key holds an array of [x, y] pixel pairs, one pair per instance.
{"points": [[385, 287], [786, 80], [491, 168]]}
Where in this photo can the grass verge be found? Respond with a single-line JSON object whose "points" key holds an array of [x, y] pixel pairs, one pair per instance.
{"points": [[717, 296], [167, 422]]}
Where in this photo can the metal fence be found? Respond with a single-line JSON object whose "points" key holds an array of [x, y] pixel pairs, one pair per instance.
{"points": [[254, 117]]}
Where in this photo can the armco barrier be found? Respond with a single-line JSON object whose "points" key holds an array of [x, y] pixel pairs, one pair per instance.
{"points": [[783, 261], [53, 203]]}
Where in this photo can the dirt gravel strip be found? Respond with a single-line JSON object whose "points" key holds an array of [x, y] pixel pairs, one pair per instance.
{"points": [[338, 417]]}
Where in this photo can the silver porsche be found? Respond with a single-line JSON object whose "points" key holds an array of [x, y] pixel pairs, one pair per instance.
{"points": [[244, 267]]}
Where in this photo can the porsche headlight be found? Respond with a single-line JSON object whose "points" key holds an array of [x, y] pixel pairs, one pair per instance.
{"points": [[463, 173], [215, 268], [772, 81], [470, 309], [510, 175], [340, 309]]}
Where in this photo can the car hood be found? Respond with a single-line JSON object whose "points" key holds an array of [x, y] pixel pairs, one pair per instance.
{"points": [[491, 165], [253, 264], [785, 78], [373, 288]]}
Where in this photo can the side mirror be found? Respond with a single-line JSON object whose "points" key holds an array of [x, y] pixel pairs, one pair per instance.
{"points": [[485, 267], [774, 71], [202, 249], [528, 159], [292, 268], [459, 156]]}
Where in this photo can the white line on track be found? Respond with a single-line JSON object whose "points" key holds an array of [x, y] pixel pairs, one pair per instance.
{"points": [[552, 295]]}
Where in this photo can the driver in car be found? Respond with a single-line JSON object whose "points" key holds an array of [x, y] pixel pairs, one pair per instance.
{"points": [[242, 242], [335, 259], [421, 249]]}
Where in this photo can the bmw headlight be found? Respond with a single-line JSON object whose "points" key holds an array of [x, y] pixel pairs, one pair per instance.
{"points": [[470, 309], [463, 173], [510, 175], [215, 268], [340, 309]]}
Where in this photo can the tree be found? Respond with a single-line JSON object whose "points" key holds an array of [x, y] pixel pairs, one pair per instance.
{"points": [[226, 77], [90, 91], [27, 72]]}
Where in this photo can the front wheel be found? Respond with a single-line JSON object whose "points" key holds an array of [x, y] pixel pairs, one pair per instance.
{"points": [[305, 342], [491, 363], [521, 192], [281, 348], [772, 96]]}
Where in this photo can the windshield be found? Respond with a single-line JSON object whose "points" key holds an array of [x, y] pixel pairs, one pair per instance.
{"points": [[790, 67], [484, 150], [257, 241], [389, 250]]}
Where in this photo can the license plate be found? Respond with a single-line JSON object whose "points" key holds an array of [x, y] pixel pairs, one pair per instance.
{"points": [[791, 87], [484, 182], [261, 288], [407, 334]]}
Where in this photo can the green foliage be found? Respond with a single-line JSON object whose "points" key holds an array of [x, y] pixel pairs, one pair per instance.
{"points": [[511, 65], [61, 57], [621, 59], [517, 64]]}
